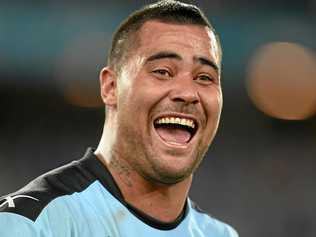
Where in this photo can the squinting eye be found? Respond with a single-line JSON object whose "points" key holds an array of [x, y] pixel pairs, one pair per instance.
{"points": [[162, 72], [205, 79]]}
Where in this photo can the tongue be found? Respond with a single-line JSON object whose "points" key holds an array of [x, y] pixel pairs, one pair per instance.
{"points": [[174, 135]]}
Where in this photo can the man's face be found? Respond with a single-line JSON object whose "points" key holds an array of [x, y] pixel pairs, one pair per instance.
{"points": [[169, 101]]}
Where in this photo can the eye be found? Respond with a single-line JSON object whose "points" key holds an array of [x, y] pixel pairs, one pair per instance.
{"points": [[162, 73], [205, 79]]}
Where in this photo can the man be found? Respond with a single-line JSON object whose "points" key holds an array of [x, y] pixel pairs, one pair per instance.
{"points": [[163, 102]]}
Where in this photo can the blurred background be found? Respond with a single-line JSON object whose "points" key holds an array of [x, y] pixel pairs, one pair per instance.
{"points": [[259, 174]]}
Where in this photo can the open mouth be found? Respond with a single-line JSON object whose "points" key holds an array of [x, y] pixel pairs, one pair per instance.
{"points": [[175, 130]]}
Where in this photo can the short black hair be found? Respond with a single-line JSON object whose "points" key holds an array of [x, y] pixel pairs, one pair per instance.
{"points": [[167, 11]]}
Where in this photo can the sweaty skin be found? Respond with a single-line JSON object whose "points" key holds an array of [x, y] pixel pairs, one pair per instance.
{"points": [[174, 72]]}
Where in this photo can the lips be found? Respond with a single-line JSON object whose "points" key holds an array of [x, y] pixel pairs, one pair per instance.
{"points": [[175, 130]]}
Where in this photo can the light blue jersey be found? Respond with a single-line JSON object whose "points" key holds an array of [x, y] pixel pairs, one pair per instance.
{"points": [[82, 200]]}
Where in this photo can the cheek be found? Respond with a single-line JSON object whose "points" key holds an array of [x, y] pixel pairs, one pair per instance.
{"points": [[134, 104], [219, 101], [213, 105], [148, 92]]}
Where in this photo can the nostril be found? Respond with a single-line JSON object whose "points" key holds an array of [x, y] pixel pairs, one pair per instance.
{"points": [[178, 100], [186, 100], [186, 96]]}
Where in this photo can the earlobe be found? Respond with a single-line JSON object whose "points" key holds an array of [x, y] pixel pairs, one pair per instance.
{"points": [[108, 85]]}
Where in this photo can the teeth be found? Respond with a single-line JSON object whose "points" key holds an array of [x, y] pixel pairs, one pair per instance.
{"points": [[183, 122], [176, 120]]}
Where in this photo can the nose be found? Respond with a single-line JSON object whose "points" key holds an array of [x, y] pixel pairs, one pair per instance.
{"points": [[184, 90]]}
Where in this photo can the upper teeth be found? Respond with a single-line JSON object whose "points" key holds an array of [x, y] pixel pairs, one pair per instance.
{"points": [[176, 120]]}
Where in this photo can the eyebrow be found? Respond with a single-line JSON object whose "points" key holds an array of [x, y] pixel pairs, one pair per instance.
{"points": [[205, 61], [172, 55], [163, 55]]}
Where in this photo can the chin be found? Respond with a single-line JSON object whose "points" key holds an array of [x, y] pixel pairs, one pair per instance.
{"points": [[174, 172]]}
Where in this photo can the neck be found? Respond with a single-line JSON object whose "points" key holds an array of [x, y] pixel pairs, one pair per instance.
{"points": [[160, 201]]}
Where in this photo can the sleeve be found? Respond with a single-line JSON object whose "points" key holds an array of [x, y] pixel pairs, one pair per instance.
{"points": [[27, 220], [231, 232], [14, 225], [50, 223]]}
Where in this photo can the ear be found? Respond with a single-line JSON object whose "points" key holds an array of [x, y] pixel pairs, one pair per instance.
{"points": [[108, 85]]}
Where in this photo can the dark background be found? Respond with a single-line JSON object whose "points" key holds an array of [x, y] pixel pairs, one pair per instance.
{"points": [[259, 174]]}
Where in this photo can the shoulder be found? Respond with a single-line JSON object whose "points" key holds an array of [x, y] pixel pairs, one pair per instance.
{"points": [[210, 224], [30, 201]]}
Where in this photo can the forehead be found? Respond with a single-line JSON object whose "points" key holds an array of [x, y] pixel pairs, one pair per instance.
{"points": [[195, 39]]}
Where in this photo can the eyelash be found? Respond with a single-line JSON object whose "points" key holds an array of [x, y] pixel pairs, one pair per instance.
{"points": [[205, 78], [201, 78], [162, 72]]}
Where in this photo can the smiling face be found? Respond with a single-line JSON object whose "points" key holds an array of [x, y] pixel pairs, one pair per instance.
{"points": [[169, 101]]}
